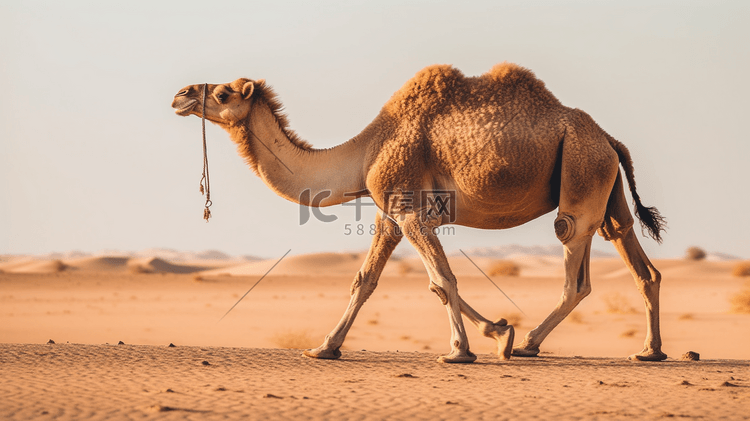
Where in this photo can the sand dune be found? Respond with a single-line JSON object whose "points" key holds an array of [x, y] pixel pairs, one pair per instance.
{"points": [[100, 264], [156, 265], [31, 265], [300, 265], [349, 263], [109, 264]]}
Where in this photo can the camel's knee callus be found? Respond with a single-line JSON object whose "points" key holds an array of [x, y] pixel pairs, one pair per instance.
{"points": [[440, 293], [564, 227]]}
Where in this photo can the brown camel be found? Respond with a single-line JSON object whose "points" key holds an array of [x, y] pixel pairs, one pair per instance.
{"points": [[500, 147]]}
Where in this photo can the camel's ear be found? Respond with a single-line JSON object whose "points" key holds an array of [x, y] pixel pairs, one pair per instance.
{"points": [[247, 89]]}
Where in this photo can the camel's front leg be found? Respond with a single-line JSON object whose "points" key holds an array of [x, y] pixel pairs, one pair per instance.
{"points": [[498, 330], [442, 283], [387, 236]]}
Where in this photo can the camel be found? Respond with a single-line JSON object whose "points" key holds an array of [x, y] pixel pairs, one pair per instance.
{"points": [[504, 149]]}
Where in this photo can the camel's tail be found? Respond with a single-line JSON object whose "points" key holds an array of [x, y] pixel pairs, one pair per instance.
{"points": [[651, 219]]}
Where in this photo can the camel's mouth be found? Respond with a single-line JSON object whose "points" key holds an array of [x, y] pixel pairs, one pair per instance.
{"points": [[186, 108]]}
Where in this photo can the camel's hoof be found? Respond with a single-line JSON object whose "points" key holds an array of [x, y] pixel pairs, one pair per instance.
{"points": [[525, 352], [458, 357], [322, 353], [500, 322], [505, 342], [648, 355], [503, 333]]}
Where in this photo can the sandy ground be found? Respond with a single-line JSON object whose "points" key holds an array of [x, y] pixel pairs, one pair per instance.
{"points": [[388, 369], [137, 381]]}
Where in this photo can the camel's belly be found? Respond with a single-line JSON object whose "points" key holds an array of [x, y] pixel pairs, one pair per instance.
{"points": [[501, 198]]}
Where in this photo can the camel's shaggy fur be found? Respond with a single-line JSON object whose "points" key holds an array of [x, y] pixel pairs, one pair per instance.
{"points": [[500, 148]]}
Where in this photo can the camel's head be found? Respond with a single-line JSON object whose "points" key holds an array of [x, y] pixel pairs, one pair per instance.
{"points": [[226, 104]]}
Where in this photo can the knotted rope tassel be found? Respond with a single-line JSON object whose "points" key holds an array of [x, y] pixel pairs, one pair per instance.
{"points": [[205, 184]]}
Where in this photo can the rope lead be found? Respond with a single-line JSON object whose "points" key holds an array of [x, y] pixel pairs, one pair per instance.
{"points": [[205, 184]]}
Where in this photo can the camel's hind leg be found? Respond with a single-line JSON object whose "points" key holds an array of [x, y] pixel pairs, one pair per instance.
{"points": [[588, 171], [617, 228], [386, 238]]}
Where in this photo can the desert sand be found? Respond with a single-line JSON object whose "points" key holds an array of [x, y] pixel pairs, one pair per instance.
{"points": [[248, 364]]}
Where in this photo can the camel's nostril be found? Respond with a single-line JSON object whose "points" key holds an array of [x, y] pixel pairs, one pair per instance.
{"points": [[182, 92]]}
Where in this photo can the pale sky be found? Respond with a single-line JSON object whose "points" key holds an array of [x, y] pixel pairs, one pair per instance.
{"points": [[93, 158]]}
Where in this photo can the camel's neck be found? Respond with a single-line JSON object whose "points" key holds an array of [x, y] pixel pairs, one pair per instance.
{"points": [[317, 177]]}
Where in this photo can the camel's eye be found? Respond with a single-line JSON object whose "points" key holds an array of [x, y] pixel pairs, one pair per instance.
{"points": [[221, 97]]}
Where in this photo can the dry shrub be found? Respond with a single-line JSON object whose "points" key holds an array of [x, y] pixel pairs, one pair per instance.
{"points": [[576, 317], [686, 316], [404, 268], [741, 269], [695, 253], [618, 304], [514, 319], [504, 268], [137, 269], [741, 301], [293, 340], [628, 333], [58, 266]]}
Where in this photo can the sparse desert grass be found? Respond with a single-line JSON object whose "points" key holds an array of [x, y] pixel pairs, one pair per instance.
{"points": [[404, 268], [629, 333], [58, 266], [741, 301], [514, 319], [138, 269], [695, 253], [576, 317], [741, 269], [617, 304], [686, 316], [504, 268], [297, 339]]}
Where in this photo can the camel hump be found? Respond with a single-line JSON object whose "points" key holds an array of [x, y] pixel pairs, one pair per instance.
{"points": [[512, 74], [428, 92], [425, 91]]}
